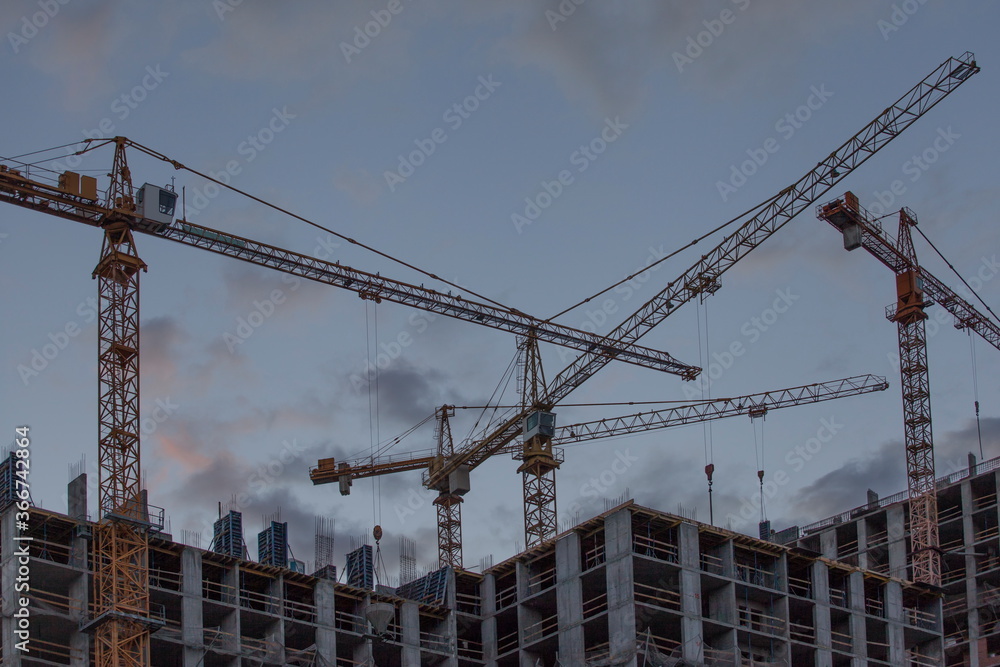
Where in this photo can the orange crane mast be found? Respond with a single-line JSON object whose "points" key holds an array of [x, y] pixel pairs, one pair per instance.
{"points": [[916, 289]]}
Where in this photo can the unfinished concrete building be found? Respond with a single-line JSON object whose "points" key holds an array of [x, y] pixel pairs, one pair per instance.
{"points": [[632, 586], [874, 537]]}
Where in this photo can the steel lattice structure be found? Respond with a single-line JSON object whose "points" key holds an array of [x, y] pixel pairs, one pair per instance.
{"points": [[121, 549], [703, 277], [753, 405], [916, 289]]}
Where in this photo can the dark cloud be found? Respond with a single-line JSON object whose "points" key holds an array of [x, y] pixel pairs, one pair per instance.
{"points": [[405, 394], [884, 471]]}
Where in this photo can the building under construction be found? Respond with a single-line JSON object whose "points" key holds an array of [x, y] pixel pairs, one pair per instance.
{"points": [[873, 537], [632, 586]]}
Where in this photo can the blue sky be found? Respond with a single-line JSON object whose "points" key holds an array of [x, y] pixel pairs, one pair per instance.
{"points": [[430, 138]]}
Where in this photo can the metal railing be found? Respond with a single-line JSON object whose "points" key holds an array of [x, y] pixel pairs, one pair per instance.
{"points": [[947, 480]]}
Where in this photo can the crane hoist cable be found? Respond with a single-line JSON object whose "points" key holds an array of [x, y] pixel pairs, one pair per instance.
{"points": [[955, 271], [759, 456], [373, 407], [706, 439], [975, 392], [177, 165], [972, 342], [504, 381], [670, 255]]}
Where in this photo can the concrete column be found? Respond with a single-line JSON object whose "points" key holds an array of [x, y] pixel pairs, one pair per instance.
{"points": [[894, 614], [362, 652], [526, 616], [76, 495], [449, 626], [8, 574], [728, 556], [79, 591], [489, 591], [569, 599], [821, 614], [862, 526], [971, 592], [276, 633], [895, 518], [689, 551], [859, 631], [621, 587], [828, 543], [231, 622], [326, 635], [192, 633], [409, 619]]}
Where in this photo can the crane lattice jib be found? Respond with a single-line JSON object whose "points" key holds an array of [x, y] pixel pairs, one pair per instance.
{"points": [[882, 246], [703, 276], [378, 288], [752, 404], [22, 191]]}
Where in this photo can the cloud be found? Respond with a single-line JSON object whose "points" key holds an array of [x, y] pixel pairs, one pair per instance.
{"points": [[884, 471], [77, 47], [183, 448], [612, 55], [405, 393], [283, 42]]}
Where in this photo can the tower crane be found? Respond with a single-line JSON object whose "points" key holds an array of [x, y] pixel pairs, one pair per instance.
{"points": [[448, 501], [916, 289], [122, 621], [702, 278]]}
